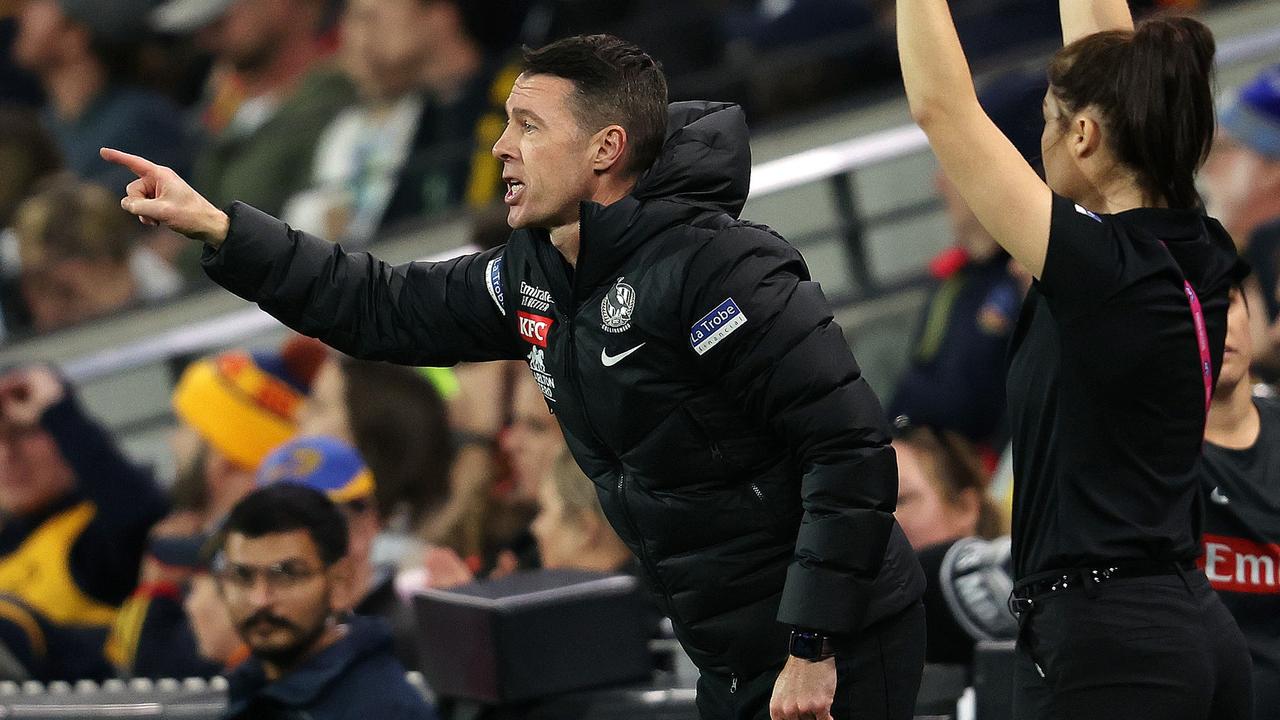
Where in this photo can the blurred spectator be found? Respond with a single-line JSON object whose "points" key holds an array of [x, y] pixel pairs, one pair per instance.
{"points": [[79, 259], [406, 149], [1241, 541], [485, 528], [284, 579], [955, 378], [336, 469], [28, 155], [396, 418], [76, 515], [941, 489], [272, 52], [570, 528], [233, 409], [17, 86], [83, 52], [1241, 182], [943, 508]]}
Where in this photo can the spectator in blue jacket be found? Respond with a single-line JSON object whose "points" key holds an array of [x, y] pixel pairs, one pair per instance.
{"points": [[282, 571]]}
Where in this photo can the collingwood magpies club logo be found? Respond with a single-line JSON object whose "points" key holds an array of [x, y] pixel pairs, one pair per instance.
{"points": [[617, 306]]}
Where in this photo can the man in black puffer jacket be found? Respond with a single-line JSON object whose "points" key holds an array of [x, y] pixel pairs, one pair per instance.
{"points": [[694, 367]]}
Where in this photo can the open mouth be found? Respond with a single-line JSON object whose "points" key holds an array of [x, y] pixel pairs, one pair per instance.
{"points": [[515, 189]]}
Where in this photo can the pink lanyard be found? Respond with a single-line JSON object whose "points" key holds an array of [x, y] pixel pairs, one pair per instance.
{"points": [[1202, 339]]}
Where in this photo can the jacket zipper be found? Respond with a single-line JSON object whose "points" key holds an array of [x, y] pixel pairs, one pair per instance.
{"points": [[645, 561], [644, 549], [756, 489]]}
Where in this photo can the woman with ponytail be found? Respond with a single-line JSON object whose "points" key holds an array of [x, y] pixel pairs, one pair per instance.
{"points": [[1113, 360]]}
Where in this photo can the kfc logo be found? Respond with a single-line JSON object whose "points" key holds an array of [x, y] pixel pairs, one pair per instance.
{"points": [[534, 328]]}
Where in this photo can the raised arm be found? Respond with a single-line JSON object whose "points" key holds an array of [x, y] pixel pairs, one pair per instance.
{"points": [[1086, 17], [1006, 195], [418, 313]]}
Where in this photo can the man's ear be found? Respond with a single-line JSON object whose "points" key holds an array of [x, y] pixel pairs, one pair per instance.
{"points": [[608, 146]]}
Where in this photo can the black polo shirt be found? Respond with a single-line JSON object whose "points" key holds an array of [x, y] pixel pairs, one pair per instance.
{"points": [[1106, 395], [1242, 543]]}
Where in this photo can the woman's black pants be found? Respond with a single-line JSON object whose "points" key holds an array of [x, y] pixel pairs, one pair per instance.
{"points": [[1150, 647]]}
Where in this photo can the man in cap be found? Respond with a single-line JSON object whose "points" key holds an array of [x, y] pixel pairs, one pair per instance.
{"points": [[83, 52]]}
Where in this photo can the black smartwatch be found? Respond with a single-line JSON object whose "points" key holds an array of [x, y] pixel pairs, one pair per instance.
{"points": [[810, 645]]}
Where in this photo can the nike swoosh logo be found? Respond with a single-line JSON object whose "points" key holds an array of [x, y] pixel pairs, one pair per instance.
{"points": [[1218, 497], [610, 360]]}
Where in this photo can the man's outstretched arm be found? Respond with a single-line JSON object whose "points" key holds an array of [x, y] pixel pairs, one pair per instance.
{"points": [[416, 313]]}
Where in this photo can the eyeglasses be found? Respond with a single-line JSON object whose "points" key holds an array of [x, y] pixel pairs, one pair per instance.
{"points": [[279, 577]]}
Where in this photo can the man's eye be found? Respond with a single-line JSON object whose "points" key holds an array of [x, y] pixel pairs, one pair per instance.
{"points": [[528, 126]]}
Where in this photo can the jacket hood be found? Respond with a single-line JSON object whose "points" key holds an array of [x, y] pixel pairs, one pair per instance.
{"points": [[704, 167], [706, 159]]}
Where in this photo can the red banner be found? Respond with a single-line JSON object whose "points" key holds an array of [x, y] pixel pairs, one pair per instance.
{"points": [[1237, 565]]}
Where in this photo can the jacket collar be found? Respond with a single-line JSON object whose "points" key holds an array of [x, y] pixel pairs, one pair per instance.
{"points": [[301, 687]]}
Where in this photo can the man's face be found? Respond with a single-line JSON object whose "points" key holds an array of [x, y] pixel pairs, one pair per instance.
{"points": [[546, 156], [251, 32], [386, 43], [278, 592], [33, 473], [41, 25]]}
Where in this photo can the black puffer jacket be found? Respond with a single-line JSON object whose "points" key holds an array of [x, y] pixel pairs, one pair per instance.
{"points": [[696, 372]]}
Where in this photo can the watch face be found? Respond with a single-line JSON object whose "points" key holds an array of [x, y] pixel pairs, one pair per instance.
{"points": [[806, 645]]}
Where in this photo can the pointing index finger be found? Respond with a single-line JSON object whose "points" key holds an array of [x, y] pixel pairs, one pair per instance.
{"points": [[139, 165]]}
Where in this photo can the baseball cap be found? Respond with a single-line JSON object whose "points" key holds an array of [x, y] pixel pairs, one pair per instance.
{"points": [[111, 20], [245, 404], [321, 463], [180, 17], [1251, 115]]}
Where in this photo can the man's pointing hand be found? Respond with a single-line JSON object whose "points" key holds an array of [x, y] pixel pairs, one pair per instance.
{"points": [[160, 197]]}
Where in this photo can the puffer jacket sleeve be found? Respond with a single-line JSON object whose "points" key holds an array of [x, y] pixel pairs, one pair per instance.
{"points": [[418, 313], [764, 332]]}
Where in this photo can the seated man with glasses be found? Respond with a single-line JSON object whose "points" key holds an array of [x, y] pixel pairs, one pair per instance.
{"points": [[281, 569]]}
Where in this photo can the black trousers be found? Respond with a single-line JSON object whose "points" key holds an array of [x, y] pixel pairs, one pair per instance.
{"points": [[1153, 647], [878, 675]]}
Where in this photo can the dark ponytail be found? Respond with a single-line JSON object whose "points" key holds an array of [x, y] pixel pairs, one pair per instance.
{"points": [[1152, 88]]}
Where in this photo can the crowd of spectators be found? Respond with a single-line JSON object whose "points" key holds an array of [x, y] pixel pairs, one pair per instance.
{"points": [[350, 119]]}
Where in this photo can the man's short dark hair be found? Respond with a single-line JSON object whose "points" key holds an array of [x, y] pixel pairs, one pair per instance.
{"points": [[616, 83], [284, 507]]}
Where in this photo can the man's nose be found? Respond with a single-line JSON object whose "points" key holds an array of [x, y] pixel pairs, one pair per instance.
{"points": [[504, 148]]}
